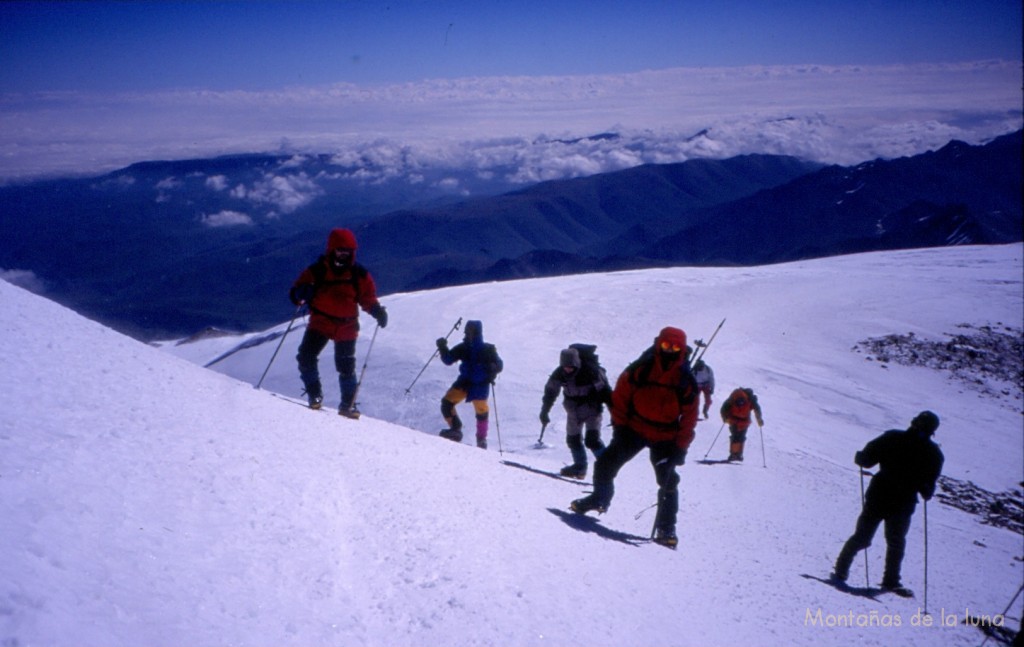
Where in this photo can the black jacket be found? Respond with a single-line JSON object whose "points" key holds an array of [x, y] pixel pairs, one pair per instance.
{"points": [[909, 464]]}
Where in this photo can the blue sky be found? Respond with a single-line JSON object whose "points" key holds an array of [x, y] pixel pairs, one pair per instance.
{"points": [[144, 45], [89, 87]]}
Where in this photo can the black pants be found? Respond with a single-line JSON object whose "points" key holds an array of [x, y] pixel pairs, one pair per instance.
{"points": [[896, 526], [313, 343], [625, 445]]}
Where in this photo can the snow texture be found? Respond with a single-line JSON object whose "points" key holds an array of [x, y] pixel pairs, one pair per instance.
{"points": [[146, 500]]}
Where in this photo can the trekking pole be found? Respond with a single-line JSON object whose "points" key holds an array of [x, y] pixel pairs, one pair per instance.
{"points": [[1005, 611], [764, 463], [274, 356], [497, 420], [366, 360], [715, 440], [867, 580], [703, 346], [641, 513], [926, 557], [436, 351]]}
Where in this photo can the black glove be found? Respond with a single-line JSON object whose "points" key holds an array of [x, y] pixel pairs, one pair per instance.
{"points": [[544, 417], [301, 293], [680, 457], [380, 314], [442, 344], [859, 459]]}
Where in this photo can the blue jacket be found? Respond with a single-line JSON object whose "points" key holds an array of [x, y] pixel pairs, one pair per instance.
{"points": [[480, 363]]}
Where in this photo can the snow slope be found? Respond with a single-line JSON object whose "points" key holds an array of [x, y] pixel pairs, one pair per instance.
{"points": [[145, 500]]}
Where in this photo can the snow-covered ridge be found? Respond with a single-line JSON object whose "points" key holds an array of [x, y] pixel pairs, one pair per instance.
{"points": [[147, 500]]}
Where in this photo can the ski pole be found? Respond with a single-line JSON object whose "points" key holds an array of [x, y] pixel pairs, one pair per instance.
{"points": [[926, 557], [1005, 611], [436, 351], [764, 463], [366, 360], [867, 579], [704, 347], [497, 420], [641, 513], [715, 440], [274, 356]]}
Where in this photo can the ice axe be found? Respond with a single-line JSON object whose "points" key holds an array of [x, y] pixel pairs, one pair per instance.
{"points": [[540, 441], [704, 346]]}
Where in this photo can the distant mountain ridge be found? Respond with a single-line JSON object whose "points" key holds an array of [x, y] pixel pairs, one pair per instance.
{"points": [[155, 250], [960, 194]]}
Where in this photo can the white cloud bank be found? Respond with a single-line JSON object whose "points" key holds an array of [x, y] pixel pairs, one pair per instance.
{"points": [[226, 218], [843, 115]]}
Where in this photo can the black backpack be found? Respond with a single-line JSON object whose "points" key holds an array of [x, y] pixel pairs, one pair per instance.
{"points": [[588, 357], [319, 271]]}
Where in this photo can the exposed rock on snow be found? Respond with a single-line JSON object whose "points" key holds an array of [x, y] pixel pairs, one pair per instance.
{"points": [[988, 359], [1002, 509]]}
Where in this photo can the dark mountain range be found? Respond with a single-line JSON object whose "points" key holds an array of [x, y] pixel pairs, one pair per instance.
{"points": [[164, 249], [458, 243], [957, 195], [960, 194]]}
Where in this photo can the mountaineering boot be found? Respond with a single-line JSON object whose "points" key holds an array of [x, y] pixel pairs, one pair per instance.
{"points": [[897, 588], [586, 504], [315, 395], [736, 452], [348, 395], [666, 536], [452, 434], [481, 431], [575, 471], [349, 412]]}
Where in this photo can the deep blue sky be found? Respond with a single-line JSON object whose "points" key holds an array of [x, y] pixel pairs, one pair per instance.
{"points": [[264, 45]]}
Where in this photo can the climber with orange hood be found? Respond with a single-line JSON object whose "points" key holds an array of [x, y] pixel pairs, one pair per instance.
{"points": [[654, 405]]}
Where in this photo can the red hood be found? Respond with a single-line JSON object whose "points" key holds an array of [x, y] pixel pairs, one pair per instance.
{"points": [[672, 336], [341, 238]]}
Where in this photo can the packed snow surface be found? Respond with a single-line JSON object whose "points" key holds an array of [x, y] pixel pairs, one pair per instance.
{"points": [[147, 500]]}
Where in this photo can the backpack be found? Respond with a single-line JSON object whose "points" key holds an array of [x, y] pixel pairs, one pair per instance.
{"points": [[588, 358], [319, 271], [640, 371]]}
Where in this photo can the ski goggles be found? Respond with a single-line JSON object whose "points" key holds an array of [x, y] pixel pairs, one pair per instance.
{"points": [[670, 347]]}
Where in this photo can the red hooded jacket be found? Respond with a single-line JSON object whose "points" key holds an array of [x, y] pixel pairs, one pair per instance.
{"points": [[737, 409], [658, 401], [338, 292]]}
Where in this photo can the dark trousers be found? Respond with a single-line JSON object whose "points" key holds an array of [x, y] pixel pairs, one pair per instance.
{"points": [[313, 343], [896, 526], [625, 445]]}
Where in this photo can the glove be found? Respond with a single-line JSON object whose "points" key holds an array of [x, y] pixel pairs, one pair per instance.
{"points": [[442, 344], [544, 417], [680, 458], [301, 294], [760, 421], [859, 459], [380, 314]]}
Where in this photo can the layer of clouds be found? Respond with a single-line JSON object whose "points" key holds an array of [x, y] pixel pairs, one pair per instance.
{"points": [[285, 192], [530, 127], [226, 218]]}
